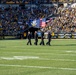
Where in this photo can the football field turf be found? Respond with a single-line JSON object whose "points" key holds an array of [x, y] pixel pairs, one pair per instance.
{"points": [[16, 58]]}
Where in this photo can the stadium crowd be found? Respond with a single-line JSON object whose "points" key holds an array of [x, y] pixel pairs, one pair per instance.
{"points": [[64, 23], [34, 1], [26, 1], [16, 19]]}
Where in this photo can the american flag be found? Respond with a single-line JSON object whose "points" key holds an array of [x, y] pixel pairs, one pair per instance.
{"points": [[43, 22]]}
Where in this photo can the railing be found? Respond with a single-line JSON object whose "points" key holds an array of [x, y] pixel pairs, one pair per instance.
{"points": [[62, 36], [55, 36]]}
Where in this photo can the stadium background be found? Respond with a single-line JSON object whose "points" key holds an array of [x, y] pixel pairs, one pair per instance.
{"points": [[51, 17]]}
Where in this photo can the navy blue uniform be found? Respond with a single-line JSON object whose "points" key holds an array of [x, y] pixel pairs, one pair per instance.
{"points": [[29, 39], [42, 38], [36, 38], [49, 39]]}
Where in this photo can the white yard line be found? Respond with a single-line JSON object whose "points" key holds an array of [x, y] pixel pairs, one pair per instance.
{"points": [[39, 67], [19, 57], [34, 58], [44, 53], [71, 51], [58, 59]]}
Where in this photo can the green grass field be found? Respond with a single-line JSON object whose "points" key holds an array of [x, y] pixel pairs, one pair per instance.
{"points": [[16, 58]]}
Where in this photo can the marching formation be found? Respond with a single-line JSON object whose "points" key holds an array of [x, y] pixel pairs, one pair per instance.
{"points": [[29, 37]]}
